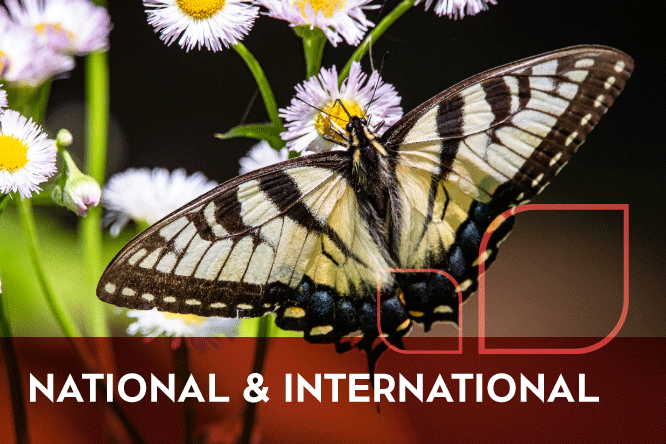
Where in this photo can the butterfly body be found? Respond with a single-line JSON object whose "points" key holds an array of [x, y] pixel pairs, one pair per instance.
{"points": [[305, 238]]}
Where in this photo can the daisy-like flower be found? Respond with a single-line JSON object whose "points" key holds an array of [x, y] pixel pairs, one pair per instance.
{"points": [[262, 155], [69, 26], [459, 8], [153, 323], [27, 156], [338, 19], [24, 59], [209, 23], [306, 126], [145, 195]]}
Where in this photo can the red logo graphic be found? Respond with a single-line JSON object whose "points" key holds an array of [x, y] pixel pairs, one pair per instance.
{"points": [[482, 287]]}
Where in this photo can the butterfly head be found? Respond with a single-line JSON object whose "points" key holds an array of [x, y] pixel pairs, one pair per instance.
{"points": [[361, 137]]}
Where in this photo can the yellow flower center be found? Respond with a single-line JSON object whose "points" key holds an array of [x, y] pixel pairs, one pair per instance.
{"points": [[200, 9], [13, 153], [54, 28], [327, 7], [189, 318], [335, 113]]}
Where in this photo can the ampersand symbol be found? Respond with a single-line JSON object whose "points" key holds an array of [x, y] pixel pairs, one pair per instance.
{"points": [[254, 383]]}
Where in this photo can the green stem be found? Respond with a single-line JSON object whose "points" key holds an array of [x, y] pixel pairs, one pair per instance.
{"points": [[386, 22], [11, 365], [181, 368], [5, 328], [250, 414], [15, 387], [262, 82], [97, 123], [62, 318], [314, 41]]}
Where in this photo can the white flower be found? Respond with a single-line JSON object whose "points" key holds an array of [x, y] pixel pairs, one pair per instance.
{"points": [[149, 195], [209, 23], [338, 19], [27, 156], [3, 100], [70, 26], [152, 323], [458, 8], [24, 59], [306, 126], [262, 155]]}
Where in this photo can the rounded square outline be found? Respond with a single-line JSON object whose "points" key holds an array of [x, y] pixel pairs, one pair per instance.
{"points": [[482, 281], [457, 351]]}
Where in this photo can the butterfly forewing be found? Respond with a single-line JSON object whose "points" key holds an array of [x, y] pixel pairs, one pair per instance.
{"points": [[219, 254], [517, 124]]}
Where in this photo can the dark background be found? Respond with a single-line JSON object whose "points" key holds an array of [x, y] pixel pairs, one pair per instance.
{"points": [[557, 275], [166, 105]]}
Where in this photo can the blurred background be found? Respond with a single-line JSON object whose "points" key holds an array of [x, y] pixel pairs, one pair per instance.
{"points": [[557, 274]]}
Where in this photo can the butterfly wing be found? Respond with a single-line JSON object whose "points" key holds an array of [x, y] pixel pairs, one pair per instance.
{"points": [[491, 142], [287, 238], [235, 249]]}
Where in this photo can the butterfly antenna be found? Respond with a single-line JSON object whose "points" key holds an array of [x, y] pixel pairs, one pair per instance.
{"points": [[249, 106], [343, 107], [377, 19], [314, 107], [337, 129]]}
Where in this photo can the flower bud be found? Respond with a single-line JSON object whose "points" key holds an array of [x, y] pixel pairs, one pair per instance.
{"points": [[75, 190]]}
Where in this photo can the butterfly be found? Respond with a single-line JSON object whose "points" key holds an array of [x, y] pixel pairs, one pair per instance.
{"points": [[304, 238]]}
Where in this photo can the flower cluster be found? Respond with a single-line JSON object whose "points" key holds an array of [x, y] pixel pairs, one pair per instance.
{"points": [[24, 59], [39, 37], [218, 23]]}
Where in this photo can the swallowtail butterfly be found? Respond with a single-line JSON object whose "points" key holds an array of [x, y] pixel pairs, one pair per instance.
{"points": [[304, 238]]}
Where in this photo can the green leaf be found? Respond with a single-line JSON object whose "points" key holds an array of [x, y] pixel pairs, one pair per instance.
{"points": [[260, 131]]}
